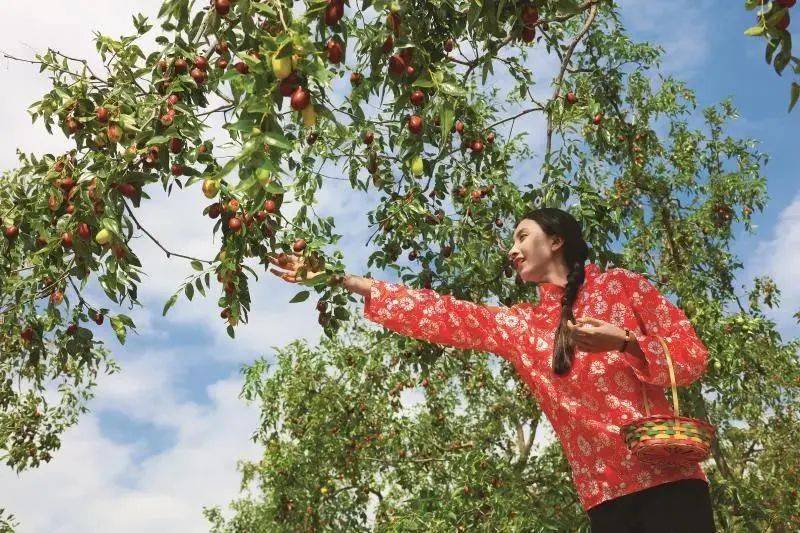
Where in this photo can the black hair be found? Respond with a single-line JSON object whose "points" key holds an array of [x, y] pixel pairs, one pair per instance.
{"points": [[555, 221]]}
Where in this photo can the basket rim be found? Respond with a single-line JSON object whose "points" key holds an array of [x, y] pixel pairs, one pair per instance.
{"points": [[656, 418]]}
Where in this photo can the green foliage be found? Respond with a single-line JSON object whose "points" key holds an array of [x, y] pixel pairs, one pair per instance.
{"points": [[7, 522], [772, 22]]}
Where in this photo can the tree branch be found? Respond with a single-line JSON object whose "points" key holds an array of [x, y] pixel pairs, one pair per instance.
{"points": [[169, 254], [564, 64], [511, 37], [42, 291], [34, 62]]}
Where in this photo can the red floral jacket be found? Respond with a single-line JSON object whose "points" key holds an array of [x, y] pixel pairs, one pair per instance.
{"points": [[601, 392]]}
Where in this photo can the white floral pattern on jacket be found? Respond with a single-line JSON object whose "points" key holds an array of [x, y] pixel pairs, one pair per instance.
{"points": [[601, 393]]}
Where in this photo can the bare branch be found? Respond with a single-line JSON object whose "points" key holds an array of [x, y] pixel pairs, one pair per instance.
{"points": [[169, 254]]}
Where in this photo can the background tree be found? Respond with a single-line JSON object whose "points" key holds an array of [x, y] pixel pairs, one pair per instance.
{"points": [[658, 186], [339, 448]]}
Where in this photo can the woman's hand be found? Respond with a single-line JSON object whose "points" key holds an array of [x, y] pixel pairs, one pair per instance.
{"points": [[294, 267], [594, 335]]}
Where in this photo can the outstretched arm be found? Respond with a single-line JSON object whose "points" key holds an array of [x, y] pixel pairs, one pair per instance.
{"points": [[441, 319], [425, 314]]}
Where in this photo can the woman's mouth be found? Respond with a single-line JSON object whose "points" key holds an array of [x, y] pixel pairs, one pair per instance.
{"points": [[518, 262]]}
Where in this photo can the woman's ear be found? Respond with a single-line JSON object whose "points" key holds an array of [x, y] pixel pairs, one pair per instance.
{"points": [[558, 242]]}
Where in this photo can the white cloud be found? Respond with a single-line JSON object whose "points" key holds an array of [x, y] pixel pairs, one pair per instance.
{"points": [[94, 484], [778, 257]]}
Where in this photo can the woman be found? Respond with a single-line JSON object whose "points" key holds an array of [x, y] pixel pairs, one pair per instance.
{"points": [[585, 350]]}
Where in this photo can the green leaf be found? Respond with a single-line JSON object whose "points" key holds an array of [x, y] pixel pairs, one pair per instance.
{"points": [[424, 82], [772, 45], [199, 284], [322, 279], [128, 123], [247, 185], [794, 95], [264, 8], [274, 188], [301, 296], [452, 89], [341, 313], [125, 319], [446, 118], [170, 303], [781, 60], [111, 225], [755, 30], [118, 325], [240, 125], [197, 265], [189, 290], [485, 71], [277, 140], [158, 139]]}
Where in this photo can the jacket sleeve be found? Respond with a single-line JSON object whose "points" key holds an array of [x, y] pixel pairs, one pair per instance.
{"points": [[442, 319], [657, 316]]}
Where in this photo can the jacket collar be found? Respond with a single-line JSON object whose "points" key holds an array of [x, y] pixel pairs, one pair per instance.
{"points": [[550, 292]]}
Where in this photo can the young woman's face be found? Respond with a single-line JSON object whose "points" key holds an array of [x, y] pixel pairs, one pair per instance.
{"points": [[532, 251]]}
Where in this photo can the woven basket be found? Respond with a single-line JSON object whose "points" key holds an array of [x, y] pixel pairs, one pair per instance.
{"points": [[665, 440]]}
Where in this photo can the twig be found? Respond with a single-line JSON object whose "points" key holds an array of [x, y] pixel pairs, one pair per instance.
{"points": [[81, 300], [48, 65], [220, 108], [279, 9], [169, 254], [85, 64], [564, 63], [525, 112], [42, 291], [23, 269]]}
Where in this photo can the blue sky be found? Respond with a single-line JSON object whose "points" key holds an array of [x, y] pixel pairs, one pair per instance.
{"points": [[164, 435]]}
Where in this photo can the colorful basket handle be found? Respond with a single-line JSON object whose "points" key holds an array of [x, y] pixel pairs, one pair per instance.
{"points": [[671, 380]]}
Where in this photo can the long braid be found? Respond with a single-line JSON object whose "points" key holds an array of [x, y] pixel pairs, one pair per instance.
{"points": [[564, 351]]}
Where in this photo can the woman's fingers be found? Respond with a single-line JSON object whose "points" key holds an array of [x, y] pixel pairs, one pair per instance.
{"points": [[283, 268], [294, 275], [580, 337], [590, 320], [292, 268], [286, 276], [282, 260]]}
